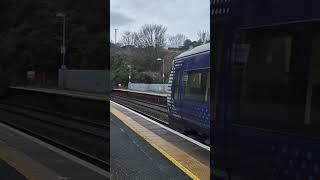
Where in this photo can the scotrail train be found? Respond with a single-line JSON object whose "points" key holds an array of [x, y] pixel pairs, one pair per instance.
{"points": [[267, 118], [189, 95]]}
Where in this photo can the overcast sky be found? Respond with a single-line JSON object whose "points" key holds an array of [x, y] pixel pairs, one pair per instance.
{"points": [[179, 16]]}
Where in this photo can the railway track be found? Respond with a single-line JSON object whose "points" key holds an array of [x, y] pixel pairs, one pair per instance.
{"points": [[79, 136], [65, 116], [152, 110]]}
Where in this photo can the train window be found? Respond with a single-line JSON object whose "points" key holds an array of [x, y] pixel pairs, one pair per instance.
{"points": [[176, 83], [196, 88], [271, 83]]}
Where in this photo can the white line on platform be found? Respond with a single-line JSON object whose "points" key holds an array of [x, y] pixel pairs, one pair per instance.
{"points": [[61, 152], [165, 127]]}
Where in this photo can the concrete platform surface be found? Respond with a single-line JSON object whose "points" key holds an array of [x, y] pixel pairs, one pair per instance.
{"points": [[79, 94], [191, 157], [134, 158]]}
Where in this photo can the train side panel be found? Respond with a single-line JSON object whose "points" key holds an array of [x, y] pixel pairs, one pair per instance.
{"points": [[188, 102], [195, 94]]}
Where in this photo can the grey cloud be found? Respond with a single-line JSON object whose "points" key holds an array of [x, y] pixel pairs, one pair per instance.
{"points": [[179, 16], [119, 19]]}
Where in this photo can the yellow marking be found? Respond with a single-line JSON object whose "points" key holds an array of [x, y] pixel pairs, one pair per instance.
{"points": [[189, 165], [26, 166]]}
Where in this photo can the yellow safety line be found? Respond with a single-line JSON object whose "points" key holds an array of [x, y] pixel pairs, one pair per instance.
{"points": [[26, 166], [195, 173]]}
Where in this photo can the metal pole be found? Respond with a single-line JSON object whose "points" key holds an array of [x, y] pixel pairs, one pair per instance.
{"points": [[129, 73], [115, 36], [64, 39], [163, 71]]}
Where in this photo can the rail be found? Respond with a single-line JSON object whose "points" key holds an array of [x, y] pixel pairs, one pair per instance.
{"points": [[151, 106], [81, 127], [61, 120]]}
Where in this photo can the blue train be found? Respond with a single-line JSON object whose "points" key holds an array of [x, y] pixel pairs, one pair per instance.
{"points": [[267, 118], [189, 94]]}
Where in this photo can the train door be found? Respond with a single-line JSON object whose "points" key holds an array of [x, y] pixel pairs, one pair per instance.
{"points": [[196, 94], [175, 111], [269, 137]]}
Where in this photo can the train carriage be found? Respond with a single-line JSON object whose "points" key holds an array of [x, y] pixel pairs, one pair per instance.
{"points": [[269, 53], [189, 94]]}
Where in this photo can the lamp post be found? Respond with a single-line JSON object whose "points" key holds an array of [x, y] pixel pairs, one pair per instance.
{"points": [[115, 36], [63, 47], [160, 59], [129, 73]]}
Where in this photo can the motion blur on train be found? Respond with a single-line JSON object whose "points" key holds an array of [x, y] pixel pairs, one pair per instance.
{"points": [[189, 92]]}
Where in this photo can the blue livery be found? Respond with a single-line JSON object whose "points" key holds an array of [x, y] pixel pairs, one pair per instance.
{"points": [[268, 111], [189, 94]]}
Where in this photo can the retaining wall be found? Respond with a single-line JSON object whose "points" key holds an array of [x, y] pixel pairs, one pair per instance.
{"points": [[97, 81], [161, 88]]}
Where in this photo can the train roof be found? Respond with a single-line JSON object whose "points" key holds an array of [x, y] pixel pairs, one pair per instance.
{"points": [[196, 50]]}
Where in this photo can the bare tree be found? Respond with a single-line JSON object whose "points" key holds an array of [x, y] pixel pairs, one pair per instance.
{"points": [[151, 35], [177, 40], [136, 40], [127, 38], [204, 36]]}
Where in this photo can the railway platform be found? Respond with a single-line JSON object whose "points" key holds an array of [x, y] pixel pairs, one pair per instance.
{"points": [[184, 154], [143, 92], [134, 158], [71, 93], [24, 157]]}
